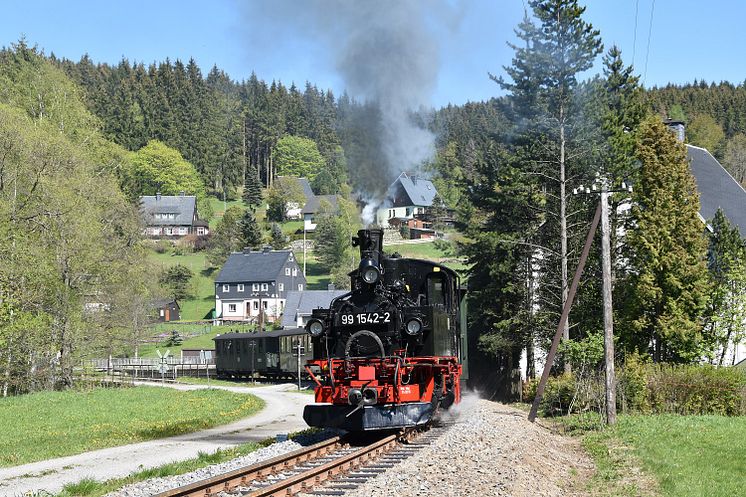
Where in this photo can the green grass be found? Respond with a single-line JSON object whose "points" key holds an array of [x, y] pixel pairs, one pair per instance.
{"points": [[94, 488], [317, 278], [203, 301], [203, 341], [681, 456], [291, 227], [54, 424], [219, 208]]}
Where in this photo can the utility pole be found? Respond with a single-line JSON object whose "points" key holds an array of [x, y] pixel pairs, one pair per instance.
{"points": [[304, 248], [608, 308]]}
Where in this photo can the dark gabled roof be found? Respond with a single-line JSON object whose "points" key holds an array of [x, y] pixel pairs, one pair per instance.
{"points": [[305, 302], [420, 191], [256, 266], [184, 206], [261, 334], [717, 188], [307, 192], [160, 303], [312, 206]]}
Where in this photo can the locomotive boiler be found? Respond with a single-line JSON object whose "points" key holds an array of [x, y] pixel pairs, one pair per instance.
{"points": [[388, 353]]}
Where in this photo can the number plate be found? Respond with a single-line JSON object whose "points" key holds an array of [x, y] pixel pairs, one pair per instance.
{"points": [[366, 318]]}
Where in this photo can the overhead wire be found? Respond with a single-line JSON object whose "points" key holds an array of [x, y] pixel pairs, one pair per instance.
{"points": [[634, 37], [647, 50]]}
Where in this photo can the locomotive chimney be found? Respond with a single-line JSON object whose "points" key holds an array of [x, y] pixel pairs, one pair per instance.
{"points": [[370, 243]]}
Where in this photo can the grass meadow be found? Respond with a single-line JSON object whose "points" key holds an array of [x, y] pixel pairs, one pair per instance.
{"points": [[46, 425], [680, 456]]}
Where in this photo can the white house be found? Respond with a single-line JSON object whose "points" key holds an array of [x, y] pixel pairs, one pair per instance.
{"points": [[407, 197]]}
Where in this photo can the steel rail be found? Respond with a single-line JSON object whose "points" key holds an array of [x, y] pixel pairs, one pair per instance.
{"points": [[245, 475], [313, 477]]}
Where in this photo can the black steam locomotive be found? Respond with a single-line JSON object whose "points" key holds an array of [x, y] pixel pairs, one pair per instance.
{"points": [[389, 353]]}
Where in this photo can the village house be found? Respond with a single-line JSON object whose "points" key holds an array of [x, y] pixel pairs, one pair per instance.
{"points": [[294, 210], [407, 198], [255, 282], [171, 216], [312, 208], [299, 305]]}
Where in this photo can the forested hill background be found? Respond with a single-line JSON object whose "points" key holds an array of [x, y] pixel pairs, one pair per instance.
{"points": [[215, 121]]}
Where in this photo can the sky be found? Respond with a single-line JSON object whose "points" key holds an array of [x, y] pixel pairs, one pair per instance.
{"points": [[686, 40]]}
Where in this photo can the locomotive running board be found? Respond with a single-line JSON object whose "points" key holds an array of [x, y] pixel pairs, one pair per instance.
{"points": [[368, 418]]}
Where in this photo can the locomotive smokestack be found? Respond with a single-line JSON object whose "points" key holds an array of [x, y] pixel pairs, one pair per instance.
{"points": [[370, 243]]}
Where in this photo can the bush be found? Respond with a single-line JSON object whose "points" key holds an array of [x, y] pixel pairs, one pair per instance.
{"points": [[632, 385], [696, 389], [161, 246]]}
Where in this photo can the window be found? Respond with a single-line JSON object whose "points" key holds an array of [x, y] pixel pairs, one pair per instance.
{"points": [[231, 307], [282, 287], [162, 313], [200, 231], [287, 271], [182, 231], [300, 287], [265, 287], [295, 271], [264, 304], [240, 287], [256, 305], [169, 231], [226, 288]]}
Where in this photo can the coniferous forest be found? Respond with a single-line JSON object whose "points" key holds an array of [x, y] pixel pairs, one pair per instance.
{"points": [[80, 141]]}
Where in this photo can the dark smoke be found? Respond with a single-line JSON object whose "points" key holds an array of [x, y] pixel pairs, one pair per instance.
{"points": [[387, 54]]}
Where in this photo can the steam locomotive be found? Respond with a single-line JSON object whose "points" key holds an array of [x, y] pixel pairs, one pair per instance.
{"points": [[389, 353]]}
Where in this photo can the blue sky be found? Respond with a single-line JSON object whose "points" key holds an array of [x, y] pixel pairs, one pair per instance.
{"points": [[689, 38]]}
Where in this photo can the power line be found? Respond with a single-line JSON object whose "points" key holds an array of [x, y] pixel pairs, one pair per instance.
{"points": [[647, 50], [634, 39]]}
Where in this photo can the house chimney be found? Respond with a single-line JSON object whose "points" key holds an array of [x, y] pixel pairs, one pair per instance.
{"points": [[247, 250], [676, 127], [181, 193], [158, 196], [330, 287], [267, 249]]}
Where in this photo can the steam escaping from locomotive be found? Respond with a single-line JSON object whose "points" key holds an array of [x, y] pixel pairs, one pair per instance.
{"points": [[387, 55]]}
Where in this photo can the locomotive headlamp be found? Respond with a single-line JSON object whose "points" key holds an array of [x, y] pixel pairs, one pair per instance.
{"points": [[369, 271], [414, 326], [315, 327]]}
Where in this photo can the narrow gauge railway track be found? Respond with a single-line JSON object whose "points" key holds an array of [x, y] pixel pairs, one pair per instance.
{"points": [[333, 464]]}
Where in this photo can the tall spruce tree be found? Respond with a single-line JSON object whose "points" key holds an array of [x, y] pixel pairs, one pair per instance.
{"points": [[669, 286], [252, 188], [551, 137], [251, 235]]}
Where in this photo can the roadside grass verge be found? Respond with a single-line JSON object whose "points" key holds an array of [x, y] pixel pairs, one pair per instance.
{"points": [[665, 454], [93, 488], [47, 425]]}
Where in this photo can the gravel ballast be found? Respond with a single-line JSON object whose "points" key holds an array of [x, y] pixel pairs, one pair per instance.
{"points": [[491, 449]]}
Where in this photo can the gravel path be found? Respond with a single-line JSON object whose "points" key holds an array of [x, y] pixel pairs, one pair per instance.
{"points": [[283, 413], [491, 450]]}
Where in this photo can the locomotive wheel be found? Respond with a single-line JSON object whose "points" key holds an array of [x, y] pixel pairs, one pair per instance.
{"points": [[357, 336]]}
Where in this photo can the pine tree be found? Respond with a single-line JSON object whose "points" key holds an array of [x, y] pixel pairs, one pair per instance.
{"points": [[669, 285], [251, 235], [551, 138], [279, 240], [252, 188]]}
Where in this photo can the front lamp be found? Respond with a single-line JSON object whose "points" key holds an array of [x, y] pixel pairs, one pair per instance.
{"points": [[413, 327], [369, 271], [315, 328]]}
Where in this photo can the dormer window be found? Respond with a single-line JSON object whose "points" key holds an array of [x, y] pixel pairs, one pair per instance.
{"points": [[255, 287], [240, 287], [265, 287], [226, 288]]}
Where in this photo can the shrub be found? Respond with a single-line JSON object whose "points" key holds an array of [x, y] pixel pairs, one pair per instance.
{"points": [[632, 385], [696, 389]]}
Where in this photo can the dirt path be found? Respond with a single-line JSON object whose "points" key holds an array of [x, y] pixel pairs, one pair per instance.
{"points": [[283, 413]]}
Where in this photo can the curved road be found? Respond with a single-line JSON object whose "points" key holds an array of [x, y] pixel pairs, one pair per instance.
{"points": [[283, 413]]}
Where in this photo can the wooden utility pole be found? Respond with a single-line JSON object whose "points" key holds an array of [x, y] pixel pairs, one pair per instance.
{"points": [[608, 309]]}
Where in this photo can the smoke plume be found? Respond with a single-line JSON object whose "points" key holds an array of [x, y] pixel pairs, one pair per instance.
{"points": [[386, 53]]}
